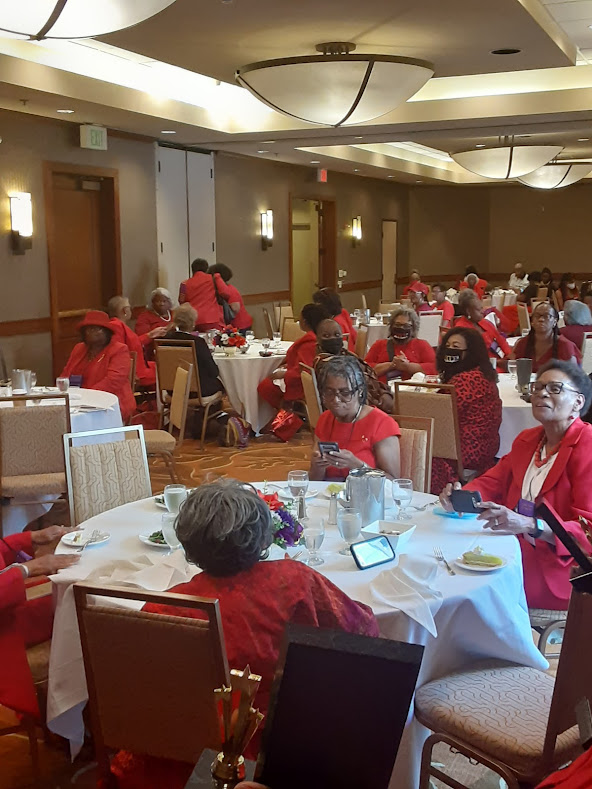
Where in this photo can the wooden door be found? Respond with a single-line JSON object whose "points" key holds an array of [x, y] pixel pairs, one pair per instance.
{"points": [[83, 247], [389, 259]]}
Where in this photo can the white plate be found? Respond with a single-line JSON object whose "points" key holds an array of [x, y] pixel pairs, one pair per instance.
{"points": [[159, 501], [77, 539], [475, 568], [145, 539], [284, 493]]}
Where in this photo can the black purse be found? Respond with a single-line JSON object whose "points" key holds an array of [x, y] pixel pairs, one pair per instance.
{"points": [[228, 313]]}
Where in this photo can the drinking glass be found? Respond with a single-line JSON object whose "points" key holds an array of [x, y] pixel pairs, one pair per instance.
{"points": [[493, 361], [314, 534], [298, 483], [512, 367], [357, 317], [63, 384], [349, 523], [277, 337], [265, 342], [33, 379], [402, 495], [174, 496], [250, 336], [169, 532]]}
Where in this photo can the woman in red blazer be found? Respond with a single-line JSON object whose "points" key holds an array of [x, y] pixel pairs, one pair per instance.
{"points": [[101, 361], [23, 623], [552, 461], [471, 309]]}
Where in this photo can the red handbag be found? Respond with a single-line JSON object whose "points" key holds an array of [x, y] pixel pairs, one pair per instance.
{"points": [[286, 424]]}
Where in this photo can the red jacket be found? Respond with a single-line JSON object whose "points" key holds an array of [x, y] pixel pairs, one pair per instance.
{"points": [[199, 291], [242, 319], [568, 489], [490, 334], [303, 350], [347, 327], [145, 371], [479, 287], [108, 372], [16, 685], [147, 321], [417, 351]]}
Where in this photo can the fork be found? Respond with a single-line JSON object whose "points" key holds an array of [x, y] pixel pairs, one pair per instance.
{"points": [[441, 558], [423, 507], [93, 538]]}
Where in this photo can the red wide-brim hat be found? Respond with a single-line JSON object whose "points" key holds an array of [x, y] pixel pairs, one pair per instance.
{"points": [[96, 318]]}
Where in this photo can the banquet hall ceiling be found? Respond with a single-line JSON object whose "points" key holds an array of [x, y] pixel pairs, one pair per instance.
{"points": [[475, 97]]}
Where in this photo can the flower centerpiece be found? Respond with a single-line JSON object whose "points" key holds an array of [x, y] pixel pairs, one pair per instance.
{"points": [[229, 339], [287, 530]]}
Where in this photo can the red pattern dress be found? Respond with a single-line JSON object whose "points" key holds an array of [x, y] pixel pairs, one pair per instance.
{"points": [[255, 607], [479, 420]]}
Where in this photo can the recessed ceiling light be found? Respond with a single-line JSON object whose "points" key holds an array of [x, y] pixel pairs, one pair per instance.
{"points": [[358, 138], [168, 131], [65, 112], [510, 51], [583, 139], [268, 142], [390, 176], [480, 145], [315, 161], [262, 151], [356, 171]]}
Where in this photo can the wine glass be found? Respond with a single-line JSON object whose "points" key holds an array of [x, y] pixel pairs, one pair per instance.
{"points": [[512, 367], [349, 523], [314, 534], [298, 483], [402, 495], [169, 532], [174, 496]]}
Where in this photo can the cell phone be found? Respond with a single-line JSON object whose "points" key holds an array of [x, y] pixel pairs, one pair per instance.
{"points": [[370, 553], [328, 446], [465, 500]]}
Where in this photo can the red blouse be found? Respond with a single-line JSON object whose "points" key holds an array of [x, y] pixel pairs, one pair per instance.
{"points": [[358, 437], [490, 334], [147, 321], [242, 319], [565, 350], [447, 310], [145, 371], [347, 327], [303, 350], [479, 287], [417, 351]]}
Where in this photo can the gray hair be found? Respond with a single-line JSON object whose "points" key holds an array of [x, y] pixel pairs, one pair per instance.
{"points": [[185, 317], [411, 316], [576, 312], [465, 297], [114, 304], [346, 366], [224, 527], [160, 292]]}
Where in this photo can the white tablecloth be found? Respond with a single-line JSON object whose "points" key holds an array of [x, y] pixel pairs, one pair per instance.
{"points": [[507, 297], [107, 414], [242, 373], [516, 413], [482, 615]]}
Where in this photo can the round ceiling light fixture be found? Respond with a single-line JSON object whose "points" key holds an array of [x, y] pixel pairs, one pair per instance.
{"points": [[506, 160], [335, 88], [556, 175], [39, 19]]}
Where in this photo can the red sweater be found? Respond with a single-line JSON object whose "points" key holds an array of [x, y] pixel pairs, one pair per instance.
{"points": [[145, 371], [199, 291], [417, 351], [303, 350], [242, 319]]}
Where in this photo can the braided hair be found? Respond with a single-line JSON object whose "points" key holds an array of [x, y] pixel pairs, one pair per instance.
{"points": [[529, 350], [347, 367]]}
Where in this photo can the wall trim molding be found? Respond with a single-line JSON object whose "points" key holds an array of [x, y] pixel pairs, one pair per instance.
{"points": [[27, 326], [274, 295], [366, 285]]}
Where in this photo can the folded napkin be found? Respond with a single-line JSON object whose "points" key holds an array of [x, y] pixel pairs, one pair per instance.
{"points": [[407, 588], [157, 573]]}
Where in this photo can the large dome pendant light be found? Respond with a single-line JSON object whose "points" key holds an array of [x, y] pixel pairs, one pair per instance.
{"points": [[507, 160], [556, 175], [39, 19], [335, 88]]}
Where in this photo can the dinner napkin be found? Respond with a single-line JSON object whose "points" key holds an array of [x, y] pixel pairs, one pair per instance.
{"points": [[157, 573], [407, 587]]}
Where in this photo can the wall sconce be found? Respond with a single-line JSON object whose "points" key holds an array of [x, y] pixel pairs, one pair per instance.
{"points": [[356, 230], [266, 229], [21, 222]]}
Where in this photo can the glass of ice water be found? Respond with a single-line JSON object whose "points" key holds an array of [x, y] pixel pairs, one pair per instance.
{"points": [[314, 534], [402, 495], [512, 367], [298, 483], [174, 496], [250, 336], [349, 523], [169, 532], [63, 384], [277, 337]]}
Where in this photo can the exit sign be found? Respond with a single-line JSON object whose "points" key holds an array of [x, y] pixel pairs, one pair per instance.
{"points": [[94, 137], [321, 176]]}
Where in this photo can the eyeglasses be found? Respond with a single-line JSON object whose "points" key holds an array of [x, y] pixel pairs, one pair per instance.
{"points": [[542, 316], [345, 395], [552, 388]]}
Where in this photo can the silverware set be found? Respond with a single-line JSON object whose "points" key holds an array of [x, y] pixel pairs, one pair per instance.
{"points": [[441, 558], [94, 537]]}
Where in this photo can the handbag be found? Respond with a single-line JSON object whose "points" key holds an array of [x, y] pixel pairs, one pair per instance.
{"points": [[286, 424], [234, 431], [226, 310]]}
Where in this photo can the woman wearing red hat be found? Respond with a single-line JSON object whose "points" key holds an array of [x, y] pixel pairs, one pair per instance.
{"points": [[102, 362]]}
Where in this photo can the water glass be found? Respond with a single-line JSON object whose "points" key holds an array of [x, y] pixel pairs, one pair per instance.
{"points": [[250, 336], [313, 534], [512, 367], [277, 337], [33, 379], [402, 495], [169, 532], [174, 496], [63, 384], [298, 483], [349, 523], [265, 342]]}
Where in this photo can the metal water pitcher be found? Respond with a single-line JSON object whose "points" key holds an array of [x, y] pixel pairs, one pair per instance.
{"points": [[21, 380], [364, 491]]}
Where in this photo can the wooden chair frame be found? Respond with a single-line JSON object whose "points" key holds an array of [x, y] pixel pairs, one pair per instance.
{"points": [[81, 594], [587, 353], [287, 321], [425, 423], [306, 371], [523, 316], [268, 323]]}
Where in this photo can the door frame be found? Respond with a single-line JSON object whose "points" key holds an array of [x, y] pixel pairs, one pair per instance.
{"points": [[397, 244], [327, 243], [106, 173]]}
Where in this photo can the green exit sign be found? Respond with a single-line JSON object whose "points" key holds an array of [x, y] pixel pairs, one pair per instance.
{"points": [[94, 137]]}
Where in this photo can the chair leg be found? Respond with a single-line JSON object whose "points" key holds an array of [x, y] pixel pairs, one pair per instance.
{"points": [[29, 726], [544, 637], [204, 426], [172, 468]]}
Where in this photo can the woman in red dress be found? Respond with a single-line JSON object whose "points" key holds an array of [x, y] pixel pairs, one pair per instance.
{"points": [[226, 530], [544, 341], [155, 320], [242, 319], [366, 436], [463, 362], [402, 355], [471, 317], [101, 361], [473, 281], [415, 283], [329, 299]]}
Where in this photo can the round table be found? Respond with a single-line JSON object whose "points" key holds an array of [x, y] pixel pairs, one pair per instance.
{"points": [[242, 373], [481, 615], [516, 413]]}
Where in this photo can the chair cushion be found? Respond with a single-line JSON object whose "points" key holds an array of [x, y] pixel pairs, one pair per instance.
{"points": [[542, 617], [501, 710], [38, 659], [33, 485], [159, 441]]}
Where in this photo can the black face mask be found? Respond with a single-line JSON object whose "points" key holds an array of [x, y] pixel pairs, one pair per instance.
{"points": [[452, 356], [332, 345], [400, 334]]}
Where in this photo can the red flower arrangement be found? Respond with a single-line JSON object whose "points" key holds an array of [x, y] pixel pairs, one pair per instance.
{"points": [[228, 337]]}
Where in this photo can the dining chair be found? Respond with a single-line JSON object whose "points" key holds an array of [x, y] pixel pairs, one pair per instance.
{"points": [[362, 342], [105, 469], [416, 446], [557, 300], [269, 326], [517, 721], [523, 317], [388, 306], [534, 304], [312, 398], [587, 353], [168, 666], [543, 294], [162, 443], [31, 448], [169, 354], [364, 302], [440, 402], [429, 327], [132, 371], [545, 622], [291, 330], [374, 333], [284, 311]]}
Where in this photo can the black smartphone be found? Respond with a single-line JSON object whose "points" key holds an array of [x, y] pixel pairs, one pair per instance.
{"points": [[328, 446], [370, 553], [465, 500]]}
